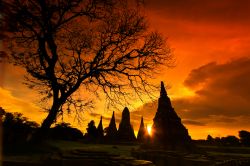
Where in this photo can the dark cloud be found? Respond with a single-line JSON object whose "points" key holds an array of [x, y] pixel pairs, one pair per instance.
{"points": [[221, 96], [95, 115], [192, 122], [231, 11], [223, 119], [221, 89], [147, 110]]}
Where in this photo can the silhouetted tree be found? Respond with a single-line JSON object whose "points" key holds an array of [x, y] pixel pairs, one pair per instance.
{"points": [[91, 131], [230, 140], [217, 140], [111, 130], [244, 137], [2, 112], [63, 125], [64, 131], [16, 127], [126, 131], [210, 139], [96, 44]]}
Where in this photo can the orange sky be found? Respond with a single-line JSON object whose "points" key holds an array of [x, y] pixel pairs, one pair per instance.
{"points": [[210, 83]]}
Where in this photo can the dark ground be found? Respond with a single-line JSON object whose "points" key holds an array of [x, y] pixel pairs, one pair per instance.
{"points": [[76, 153]]}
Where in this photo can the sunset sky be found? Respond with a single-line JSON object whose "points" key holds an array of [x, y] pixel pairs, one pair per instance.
{"points": [[210, 85]]}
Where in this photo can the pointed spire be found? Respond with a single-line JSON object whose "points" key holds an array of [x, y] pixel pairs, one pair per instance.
{"points": [[164, 100], [112, 130], [163, 92], [100, 129], [126, 109], [112, 121], [167, 127], [142, 123], [142, 133], [126, 115], [126, 131]]}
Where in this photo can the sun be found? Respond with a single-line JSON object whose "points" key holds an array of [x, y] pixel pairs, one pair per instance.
{"points": [[149, 128]]}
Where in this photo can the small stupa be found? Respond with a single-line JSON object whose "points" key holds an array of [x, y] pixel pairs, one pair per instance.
{"points": [[126, 131], [100, 131], [167, 129], [112, 130], [142, 135]]}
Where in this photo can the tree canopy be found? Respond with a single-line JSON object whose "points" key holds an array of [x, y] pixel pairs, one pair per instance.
{"points": [[94, 44], [244, 137]]}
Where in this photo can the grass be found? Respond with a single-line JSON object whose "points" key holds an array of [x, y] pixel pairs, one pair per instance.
{"points": [[230, 155], [29, 152], [226, 149], [55, 146], [123, 150]]}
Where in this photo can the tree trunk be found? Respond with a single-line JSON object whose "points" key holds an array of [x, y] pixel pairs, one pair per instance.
{"points": [[49, 120], [43, 131]]}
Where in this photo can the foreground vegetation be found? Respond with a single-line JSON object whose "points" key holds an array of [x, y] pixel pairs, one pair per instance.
{"points": [[63, 141]]}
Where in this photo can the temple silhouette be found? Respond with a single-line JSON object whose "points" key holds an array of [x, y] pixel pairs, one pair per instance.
{"points": [[112, 130], [126, 131], [143, 135], [100, 131], [167, 129]]}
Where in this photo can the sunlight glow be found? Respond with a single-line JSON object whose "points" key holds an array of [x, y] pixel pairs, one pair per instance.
{"points": [[182, 91], [149, 129]]}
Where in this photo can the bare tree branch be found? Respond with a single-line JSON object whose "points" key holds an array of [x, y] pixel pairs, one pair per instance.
{"points": [[96, 44]]}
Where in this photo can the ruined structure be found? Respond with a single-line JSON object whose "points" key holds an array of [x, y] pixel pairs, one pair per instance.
{"points": [[112, 130], [91, 131], [142, 135], [100, 132], [167, 129], [126, 131]]}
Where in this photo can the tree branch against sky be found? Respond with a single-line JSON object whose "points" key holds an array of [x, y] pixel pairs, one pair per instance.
{"points": [[93, 44]]}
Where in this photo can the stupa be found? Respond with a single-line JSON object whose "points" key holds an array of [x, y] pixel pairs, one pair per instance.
{"points": [[112, 130], [167, 129], [126, 131], [142, 135], [100, 129]]}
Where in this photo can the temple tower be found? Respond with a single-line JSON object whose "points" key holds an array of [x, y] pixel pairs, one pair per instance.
{"points": [[142, 135], [167, 129], [112, 130], [126, 131], [100, 131]]}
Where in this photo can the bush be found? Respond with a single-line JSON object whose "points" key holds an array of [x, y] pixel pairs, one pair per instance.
{"points": [[244, 137], [64, 131]]}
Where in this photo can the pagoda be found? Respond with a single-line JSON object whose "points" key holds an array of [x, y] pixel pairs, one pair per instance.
{"points": [[142, 135], [100, 129], [126, 131], [112, 130], [168, 130]]}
